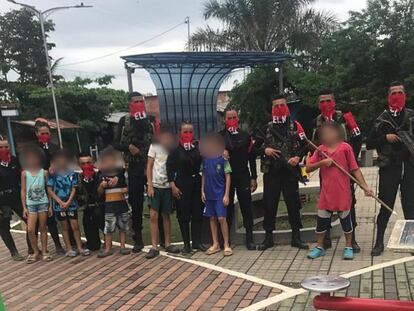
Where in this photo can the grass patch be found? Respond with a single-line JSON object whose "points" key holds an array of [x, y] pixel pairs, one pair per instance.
{"points": [[175, 229], [309, 203]]}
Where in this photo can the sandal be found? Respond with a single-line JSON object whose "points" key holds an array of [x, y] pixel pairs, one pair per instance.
{"points": [[46, 257], [32, 258], [228, 252], [125, 251], [86, 252], [71, 253], [212, 251]]}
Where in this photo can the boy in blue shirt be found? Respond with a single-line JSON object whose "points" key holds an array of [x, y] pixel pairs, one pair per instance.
{"points": [[215, 189], [61, 187]]}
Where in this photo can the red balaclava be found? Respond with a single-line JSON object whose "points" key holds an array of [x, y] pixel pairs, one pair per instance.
{"points": [[232, 125], [5, 156], [327, 109], [396, 103], [137, 109], [280, 113], [88, 171], [44, 138], [186, 140]]}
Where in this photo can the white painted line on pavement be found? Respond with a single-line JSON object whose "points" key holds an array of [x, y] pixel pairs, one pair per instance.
{"points": [[275, 299], [377, 266], [247, 277], [295, 292], [209, 266]]}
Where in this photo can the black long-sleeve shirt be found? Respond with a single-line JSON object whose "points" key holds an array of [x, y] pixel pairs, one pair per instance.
{"points": [[183, 163], [377, 138], [48, 153], [10, 175], [239, 147]]}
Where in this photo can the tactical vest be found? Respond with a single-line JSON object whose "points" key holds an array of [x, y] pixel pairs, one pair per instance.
{"points": [[321, 120], [387, 154], [140, 138], [287, 147]]}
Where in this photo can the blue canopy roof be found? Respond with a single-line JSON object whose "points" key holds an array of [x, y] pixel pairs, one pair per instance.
{"points": [[187, 83]]}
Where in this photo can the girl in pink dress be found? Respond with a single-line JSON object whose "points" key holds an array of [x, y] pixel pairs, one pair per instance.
{"points": [[335, 193]]}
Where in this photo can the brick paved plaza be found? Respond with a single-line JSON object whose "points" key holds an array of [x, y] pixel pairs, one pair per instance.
{"points": [[270, 278]]}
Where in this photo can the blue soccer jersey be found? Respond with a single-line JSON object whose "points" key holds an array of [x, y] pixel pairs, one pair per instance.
{"points": [[214, 172]]}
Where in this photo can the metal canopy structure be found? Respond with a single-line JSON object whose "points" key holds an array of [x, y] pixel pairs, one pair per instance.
{"points": [[187, 83]]}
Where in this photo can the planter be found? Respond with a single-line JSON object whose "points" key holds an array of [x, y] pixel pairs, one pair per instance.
{"points": [[237, 232]]}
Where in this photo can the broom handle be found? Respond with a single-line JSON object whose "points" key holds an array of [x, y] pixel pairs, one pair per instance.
{"points": [[350, 176]]}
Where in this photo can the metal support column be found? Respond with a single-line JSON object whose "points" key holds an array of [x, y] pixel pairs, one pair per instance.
{"points": [[281, 78], [130, 71], [10, 136]]}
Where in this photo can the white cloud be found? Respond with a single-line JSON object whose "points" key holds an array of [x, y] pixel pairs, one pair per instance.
{"points": [[115, 24]]}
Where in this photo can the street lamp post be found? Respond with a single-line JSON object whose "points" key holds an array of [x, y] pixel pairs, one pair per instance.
{"points": [[187, 21], [42, 15]]}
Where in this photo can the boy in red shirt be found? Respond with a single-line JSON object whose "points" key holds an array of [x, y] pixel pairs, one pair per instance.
{"points": [[335, 193]]}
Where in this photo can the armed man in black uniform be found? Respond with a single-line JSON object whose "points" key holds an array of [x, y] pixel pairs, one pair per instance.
{"points": [[133, 137], [352, 135], [243, 181], [9, 196], [392, 137], [282, 146]]}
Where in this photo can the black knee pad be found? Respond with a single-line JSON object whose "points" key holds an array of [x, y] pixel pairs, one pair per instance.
{"points": [[346, 222], [323, 221]]}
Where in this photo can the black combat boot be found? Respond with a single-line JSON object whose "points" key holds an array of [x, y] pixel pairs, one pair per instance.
{"points": [[249, 240], [267, 242], [185, 233], [138, 242], [379, 243], [355, 247], [296, 240]]}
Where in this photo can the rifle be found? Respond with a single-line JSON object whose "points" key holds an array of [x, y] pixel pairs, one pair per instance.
{"points": [[349, 175], [405, 136], [283, 157]]}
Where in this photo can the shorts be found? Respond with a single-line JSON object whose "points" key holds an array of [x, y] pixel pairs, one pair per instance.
{"points": [[68, 215], [38, 208], [215, 208], [162, 201], [324, 221], [116, 220]]}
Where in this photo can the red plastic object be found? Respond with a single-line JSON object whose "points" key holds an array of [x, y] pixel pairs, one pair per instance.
{"points": [[327, 302]]}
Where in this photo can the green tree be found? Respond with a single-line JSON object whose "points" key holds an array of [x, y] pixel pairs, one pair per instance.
{"points": [[263, 25], [374, 48], [21, 47], [358, 61]]}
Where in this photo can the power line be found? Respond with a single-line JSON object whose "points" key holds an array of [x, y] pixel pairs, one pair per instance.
{"points": [[123, 50], [100, 73]]}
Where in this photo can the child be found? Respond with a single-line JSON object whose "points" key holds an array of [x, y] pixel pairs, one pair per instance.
{"points": [[159, 191], [35, 201], [335, 193], [215, 189], [61, 187], [87, 196], [112, 184]]}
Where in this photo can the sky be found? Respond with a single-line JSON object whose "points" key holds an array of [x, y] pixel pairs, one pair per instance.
{"points": [[113, 26]]}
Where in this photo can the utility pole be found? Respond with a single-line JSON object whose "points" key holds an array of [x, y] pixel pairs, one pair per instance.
{"points": [[42, 15], [187, 21]]}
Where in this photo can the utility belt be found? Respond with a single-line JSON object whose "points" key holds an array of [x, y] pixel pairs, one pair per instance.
{"points": [[7, 191], [114, 196], [191, 177]]}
